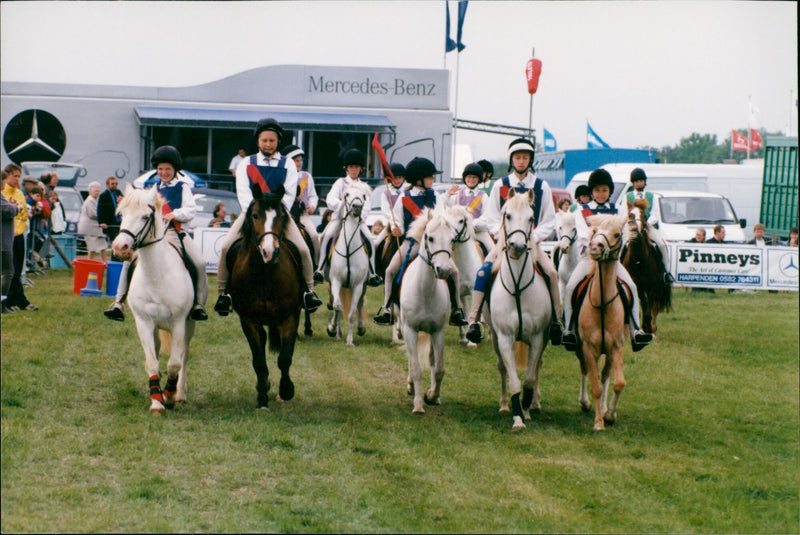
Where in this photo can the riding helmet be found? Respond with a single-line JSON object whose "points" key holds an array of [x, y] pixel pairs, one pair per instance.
{"points": [[268, 124], [601, 177], [167, 154], [353, 157], [638, 174], [292, 151], [520, 144], [582, 190], [419, 168], [398, 169], [473, 169], [487, 166]]}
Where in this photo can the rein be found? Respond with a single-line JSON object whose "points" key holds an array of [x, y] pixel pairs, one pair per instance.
{"points": [[517, 293], [148, 227], [462, 236], [608, 254], [432, 254], [347, 241]]}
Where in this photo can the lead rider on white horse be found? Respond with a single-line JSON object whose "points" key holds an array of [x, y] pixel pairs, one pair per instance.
{"points": [[180, 202]]}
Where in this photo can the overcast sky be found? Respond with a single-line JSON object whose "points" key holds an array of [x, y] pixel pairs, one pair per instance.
{"points": [[642, 73]]}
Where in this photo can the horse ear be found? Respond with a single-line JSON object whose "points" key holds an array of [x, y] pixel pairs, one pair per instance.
{"points": [[280, 191], [531, 196], [255, 189], [511, 193]]}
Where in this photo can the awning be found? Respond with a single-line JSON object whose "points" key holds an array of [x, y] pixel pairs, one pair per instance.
{"points": [[291, 120]]}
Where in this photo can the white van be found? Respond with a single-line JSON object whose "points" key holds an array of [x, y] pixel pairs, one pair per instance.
{"points": [[679, 214], [740, 184]]}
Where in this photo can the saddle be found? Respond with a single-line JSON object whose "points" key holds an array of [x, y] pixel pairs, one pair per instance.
{"points": [[579, 295], [187, 263]]}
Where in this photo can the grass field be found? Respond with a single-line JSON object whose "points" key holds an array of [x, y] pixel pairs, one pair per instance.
{"points": [[706, 439]]}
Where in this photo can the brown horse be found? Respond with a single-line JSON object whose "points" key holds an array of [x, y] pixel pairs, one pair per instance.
{"points": [[642, 261], [602, 327], [266, 289]]}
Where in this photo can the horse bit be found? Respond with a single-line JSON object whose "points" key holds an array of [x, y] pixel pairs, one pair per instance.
{"points": [[148, 226]]}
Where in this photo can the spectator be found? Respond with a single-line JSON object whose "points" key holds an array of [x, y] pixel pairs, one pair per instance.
{"points": [[58, 217], [15, 299], [236, 160], [719, 235], [377, 227], [758, 236], [699, 236], [89, 226], [793, 237], [107, 209], [564, 204], [39, 215], [9, 209], [220, 213]]}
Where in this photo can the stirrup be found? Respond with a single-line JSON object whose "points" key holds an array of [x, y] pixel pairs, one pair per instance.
{"points": [[640, 339], [383, 317], [223, 306], [569, 340], [116, 312], [457, 318], [311, 302], [474, 333]]}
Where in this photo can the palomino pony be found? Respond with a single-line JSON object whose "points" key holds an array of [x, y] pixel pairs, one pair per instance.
{"points": [[519, 309], [266, 289], [468, 257], [348, 269], [641, 260], [425, 303], [569, 248], [160, 295], [602, 328]]}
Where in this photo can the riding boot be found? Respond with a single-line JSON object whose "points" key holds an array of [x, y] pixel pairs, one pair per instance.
{"points": [[199, 313], [223, 307], [639, 338], [384, 316], [373, 280], [456, 312], [569, 340], [116, 312]]}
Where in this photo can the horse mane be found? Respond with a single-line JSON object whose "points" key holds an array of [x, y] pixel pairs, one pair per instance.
{"points": [[630, 231], [417, 228], [138, 198]]}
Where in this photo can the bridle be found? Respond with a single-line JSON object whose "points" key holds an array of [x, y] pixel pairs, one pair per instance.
{"points": [[349, 239], [148, 228], [430, 254], [517, 280], [462, 236], [571, 238]]}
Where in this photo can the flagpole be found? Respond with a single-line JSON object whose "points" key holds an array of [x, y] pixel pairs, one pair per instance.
{"points": [[455, 119]]}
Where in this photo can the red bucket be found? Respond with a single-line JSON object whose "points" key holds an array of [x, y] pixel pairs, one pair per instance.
{"points": [[84, 266]]}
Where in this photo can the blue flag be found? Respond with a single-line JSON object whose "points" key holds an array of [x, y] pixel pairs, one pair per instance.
{"points": [[449, 44], [549, 141], [593, 141]]}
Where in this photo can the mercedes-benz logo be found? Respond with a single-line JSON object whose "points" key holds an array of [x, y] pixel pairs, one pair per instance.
{"points": [[34, 135], [788, 265]]}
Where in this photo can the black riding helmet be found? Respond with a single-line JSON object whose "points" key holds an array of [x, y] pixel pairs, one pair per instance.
{"points": [[638, 174], [268, 124], [167, 154], [600, 177], [487, 166], [582, 190], [520, 144], [419, 168], [398, 169], [473, 169], [353, 157]]}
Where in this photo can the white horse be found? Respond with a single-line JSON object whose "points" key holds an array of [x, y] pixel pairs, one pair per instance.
{"points": [[349, 265], [467, 256], [160, 295], [425, 303], [569, 248], [519, 309]]}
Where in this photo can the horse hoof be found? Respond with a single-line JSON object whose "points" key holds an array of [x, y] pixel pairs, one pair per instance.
{"points": [[331, 332], [263, 408], [286, 389], [361, 331], [586, 408], [430, 401], [518, 423], [157, 411], [526, 416], [609, 420], [308, 332]]}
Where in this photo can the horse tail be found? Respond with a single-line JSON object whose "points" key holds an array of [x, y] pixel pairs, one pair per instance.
{"points": [[664, 297], [164, 339], [424, 350], [521, 354]]}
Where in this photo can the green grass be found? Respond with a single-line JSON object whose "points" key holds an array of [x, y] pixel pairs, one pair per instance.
{"points": [[706, 439]]}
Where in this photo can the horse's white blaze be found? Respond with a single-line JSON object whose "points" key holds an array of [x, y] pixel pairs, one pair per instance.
{"points": [[269, 243]]}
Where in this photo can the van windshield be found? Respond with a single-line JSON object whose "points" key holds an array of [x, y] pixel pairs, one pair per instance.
{"points": [[707, 210]]}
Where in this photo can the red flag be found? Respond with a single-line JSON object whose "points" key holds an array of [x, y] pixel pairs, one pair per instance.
{"points": [[755, 139], [738, 141], [387, 171], [532, 72]]}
